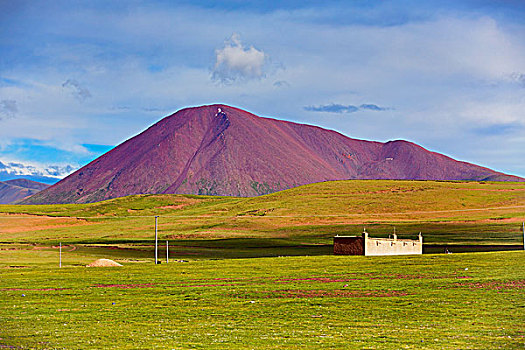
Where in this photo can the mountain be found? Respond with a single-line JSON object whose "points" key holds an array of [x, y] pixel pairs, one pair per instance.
{"points": [[222, 150], [14, 190]]}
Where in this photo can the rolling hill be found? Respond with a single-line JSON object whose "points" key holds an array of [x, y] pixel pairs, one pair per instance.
{"points": [[446, 212], [14, 190], [221, 150]]}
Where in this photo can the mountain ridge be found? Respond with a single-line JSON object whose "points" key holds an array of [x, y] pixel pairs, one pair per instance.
{"points": [[18, 189], [222, 150]]}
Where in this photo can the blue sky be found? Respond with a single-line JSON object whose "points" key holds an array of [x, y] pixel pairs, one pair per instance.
{"points": [[79, 77]]}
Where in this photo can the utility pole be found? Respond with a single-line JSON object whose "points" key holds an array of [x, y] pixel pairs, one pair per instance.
{"points": [[60, 255], [167, 252], [523, 228], [156, 241]]}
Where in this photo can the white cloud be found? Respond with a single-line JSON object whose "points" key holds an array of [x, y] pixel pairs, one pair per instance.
{"points": [[78, 91], [235, 62], [518, 78], [17, 168], [281, 84], [8, 109], [444, 73]]}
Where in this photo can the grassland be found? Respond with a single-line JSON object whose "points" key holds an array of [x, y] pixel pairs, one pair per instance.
{"points": [[458, 301], [299, 221], [306, 299]]}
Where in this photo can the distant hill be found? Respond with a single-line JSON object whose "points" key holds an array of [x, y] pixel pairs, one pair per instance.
{"points": [[221, 150], [14, 190]]}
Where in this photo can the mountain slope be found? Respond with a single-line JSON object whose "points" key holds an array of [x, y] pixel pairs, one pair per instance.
{"points": [[221, 150], [14, 190]]}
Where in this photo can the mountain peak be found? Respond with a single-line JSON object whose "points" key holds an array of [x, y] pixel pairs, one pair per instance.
{"points": [[222, 150]]}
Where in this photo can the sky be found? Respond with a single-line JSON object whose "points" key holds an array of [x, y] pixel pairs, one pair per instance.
{"points": [[79, 77]]}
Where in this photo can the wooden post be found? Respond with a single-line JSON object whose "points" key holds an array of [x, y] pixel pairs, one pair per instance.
{"points": [[60, 255], [167, 252], [523, 228], [156, 241]]}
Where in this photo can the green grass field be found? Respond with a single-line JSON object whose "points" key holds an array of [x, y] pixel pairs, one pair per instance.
{"points": [[458, 301], [259, 272], [299, 221]]}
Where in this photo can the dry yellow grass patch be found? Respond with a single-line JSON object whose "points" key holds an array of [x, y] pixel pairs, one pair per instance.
{"points": [[26, 223]]}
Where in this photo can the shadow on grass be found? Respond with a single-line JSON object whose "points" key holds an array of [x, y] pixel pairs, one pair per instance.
{"points": [[195, 249]]}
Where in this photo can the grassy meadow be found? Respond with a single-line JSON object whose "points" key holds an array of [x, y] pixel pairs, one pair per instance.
{"points": [[299, 221], [259, 272], [455, 301]]}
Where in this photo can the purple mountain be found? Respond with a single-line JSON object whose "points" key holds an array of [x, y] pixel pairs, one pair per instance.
{"points": [[14, 190], [221, 150]]}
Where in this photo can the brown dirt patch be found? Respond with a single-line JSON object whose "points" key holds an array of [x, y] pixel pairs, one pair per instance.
{"points": [[24, 223], [195, 235], [316, 279], [209, 285], [37, 289], [317, 293], [494, 285], [492, 190], [16, 267], [502, 220], [174, 207], [388, 276], [68, 248], [125, 286]]}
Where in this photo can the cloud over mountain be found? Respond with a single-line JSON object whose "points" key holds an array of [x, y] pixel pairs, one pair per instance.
{"points": [[235, 62]]}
